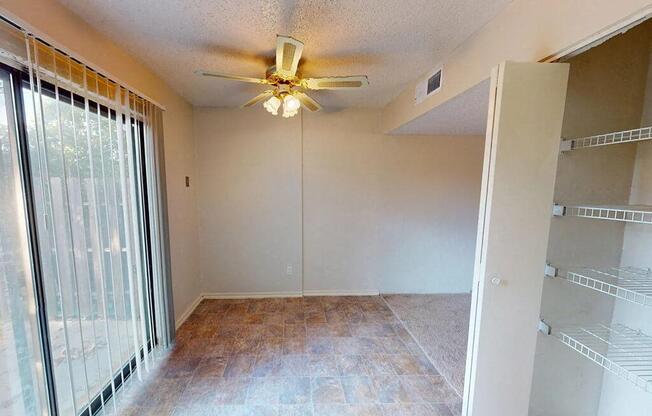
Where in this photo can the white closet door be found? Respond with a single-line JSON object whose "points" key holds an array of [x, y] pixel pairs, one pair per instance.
{"points": [[523, 137]]}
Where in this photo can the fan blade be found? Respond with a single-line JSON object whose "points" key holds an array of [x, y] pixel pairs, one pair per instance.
{"points": [[288, 53], [336, 83], [260, 97], [307, 102], [231, 77]]}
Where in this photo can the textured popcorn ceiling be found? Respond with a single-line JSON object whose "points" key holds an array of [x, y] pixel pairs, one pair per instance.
{"points": [[392, 41]]}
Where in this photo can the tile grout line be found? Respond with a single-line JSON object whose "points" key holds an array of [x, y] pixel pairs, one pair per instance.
{"points": [[420, 346]]}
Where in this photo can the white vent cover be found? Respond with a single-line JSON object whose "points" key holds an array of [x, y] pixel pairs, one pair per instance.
{"points": [[428, 86]]}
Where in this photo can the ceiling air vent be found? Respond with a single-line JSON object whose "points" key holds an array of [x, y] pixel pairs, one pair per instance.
{"points": [[428, 86]]}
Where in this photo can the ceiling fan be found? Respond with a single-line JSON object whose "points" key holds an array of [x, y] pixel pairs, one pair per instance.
{"points": [[286, 84]]}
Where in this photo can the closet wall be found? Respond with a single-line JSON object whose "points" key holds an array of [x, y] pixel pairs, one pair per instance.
{"points": [[606, 92], [391, 214]]}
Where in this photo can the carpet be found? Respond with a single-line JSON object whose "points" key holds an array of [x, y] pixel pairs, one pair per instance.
{"points": [[440, 324]]}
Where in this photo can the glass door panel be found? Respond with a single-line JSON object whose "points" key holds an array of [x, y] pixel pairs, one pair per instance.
{"points": [[22, 390], [82, 170]]}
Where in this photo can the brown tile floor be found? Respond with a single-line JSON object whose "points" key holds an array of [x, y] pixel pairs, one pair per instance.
{"points": [[293, 357]]}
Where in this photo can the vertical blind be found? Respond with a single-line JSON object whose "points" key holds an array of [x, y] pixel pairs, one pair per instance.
{"points": [[95, 162]]}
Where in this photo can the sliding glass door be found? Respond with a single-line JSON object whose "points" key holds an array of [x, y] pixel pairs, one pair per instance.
{"points": [[85, 298], [22, 382], [90, 224]]}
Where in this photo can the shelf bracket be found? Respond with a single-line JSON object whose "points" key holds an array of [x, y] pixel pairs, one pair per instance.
{"points": [[558, 210], [544, 328], [566, 145], [550, 271]]}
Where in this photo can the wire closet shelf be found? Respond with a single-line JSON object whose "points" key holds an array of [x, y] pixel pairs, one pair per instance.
{"points": [[631, 284], [628, 136], [619, 349], [639, 214]]}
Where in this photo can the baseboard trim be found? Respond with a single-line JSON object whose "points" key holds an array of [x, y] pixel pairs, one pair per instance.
{"points": [[188, 312], [297, 294], [250, 295], [341, 293]]}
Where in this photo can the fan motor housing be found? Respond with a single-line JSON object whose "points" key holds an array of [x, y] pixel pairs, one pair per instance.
{"points": [[275, 78]]}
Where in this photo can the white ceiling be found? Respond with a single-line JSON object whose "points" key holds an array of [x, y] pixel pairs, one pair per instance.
{"points": [[392, 41], [465, 114]]}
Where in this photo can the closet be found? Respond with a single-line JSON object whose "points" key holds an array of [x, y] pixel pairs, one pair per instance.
{"points": [[594, 353], [561, 317]]}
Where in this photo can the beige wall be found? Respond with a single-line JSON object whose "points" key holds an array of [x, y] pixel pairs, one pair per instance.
{"points": [[525, 31], [389, 214], [66, 31], [250, 210]]}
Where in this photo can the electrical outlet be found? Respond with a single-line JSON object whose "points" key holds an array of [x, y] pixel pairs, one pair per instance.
{"points": [[289, 270]]}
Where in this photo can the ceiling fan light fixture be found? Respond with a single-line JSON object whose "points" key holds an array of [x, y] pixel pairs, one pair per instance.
{"points": [[291, 105], [283, 77], [272, 105], [289, 113]]}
